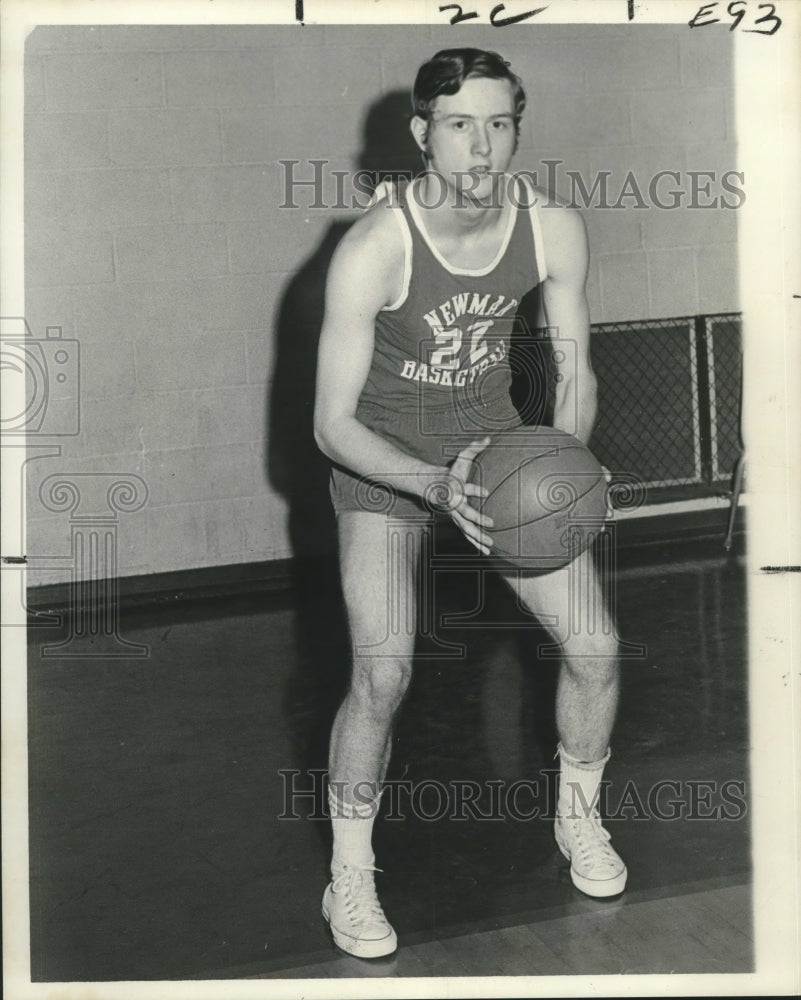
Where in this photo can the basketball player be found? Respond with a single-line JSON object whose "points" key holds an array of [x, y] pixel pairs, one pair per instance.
{"points": [[395, 361]]}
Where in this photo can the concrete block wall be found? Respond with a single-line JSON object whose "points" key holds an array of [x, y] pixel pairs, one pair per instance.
{"points": [[154, 236]]}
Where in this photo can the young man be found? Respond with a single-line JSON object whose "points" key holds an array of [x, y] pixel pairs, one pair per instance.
{"points": [[413, 293]]}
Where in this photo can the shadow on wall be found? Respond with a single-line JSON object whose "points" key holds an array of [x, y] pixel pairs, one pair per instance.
{"points": [[296, 468], [299, 472]]}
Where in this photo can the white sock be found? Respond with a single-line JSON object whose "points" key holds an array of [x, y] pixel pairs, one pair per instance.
{"points": [[579, 784], [352, 825]]}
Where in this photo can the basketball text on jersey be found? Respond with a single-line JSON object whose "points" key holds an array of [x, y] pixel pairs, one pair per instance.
{"points": [[459, 351]]}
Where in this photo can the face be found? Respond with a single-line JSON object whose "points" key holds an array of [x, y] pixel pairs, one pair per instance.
{"points": [[471, 135]]}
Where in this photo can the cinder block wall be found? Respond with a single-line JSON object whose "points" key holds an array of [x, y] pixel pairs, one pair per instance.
{"points": [[154, 237]]}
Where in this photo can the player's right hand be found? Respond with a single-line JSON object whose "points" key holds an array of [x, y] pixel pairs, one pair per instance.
{"points": [[468, 518]]}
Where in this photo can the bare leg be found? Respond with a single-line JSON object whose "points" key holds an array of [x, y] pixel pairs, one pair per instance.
{"points": [[587, 693], [379, 563], [586, 702], [379, 584]]}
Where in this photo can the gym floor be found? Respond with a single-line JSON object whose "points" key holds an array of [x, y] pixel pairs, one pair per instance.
{"points": [[157, 783]]}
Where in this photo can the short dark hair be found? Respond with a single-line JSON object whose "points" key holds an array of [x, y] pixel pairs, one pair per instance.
{"points": [[445, 72]]}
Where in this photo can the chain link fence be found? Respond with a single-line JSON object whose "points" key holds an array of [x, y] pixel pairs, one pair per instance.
{"points": [[669, 396]]}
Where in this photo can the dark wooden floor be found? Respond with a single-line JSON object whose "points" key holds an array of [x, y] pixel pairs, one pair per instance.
{"points": [[699, 932], [157, 783]]}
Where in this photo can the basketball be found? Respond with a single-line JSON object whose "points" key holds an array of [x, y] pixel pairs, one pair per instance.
{"points": [[547, 496]]}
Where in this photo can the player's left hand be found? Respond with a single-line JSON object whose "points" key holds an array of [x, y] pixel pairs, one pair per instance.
{"points": [[468, 518]]}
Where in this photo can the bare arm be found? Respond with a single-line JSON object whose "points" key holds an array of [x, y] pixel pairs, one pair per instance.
{"points": [[361, 281], [566, 312], [363, 277]]}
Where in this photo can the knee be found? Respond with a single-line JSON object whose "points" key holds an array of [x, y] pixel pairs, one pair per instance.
{"points": [[592, 659], [380, 684]]}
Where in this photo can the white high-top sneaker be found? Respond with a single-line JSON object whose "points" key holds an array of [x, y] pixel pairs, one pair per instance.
{"points": [[357, 922], [595, 867]]}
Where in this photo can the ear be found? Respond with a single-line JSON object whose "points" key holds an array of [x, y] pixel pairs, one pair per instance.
{"points": [[419, 129]]}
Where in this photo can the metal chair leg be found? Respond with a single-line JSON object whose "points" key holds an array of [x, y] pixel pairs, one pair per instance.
{"points": [[735, 499]]}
